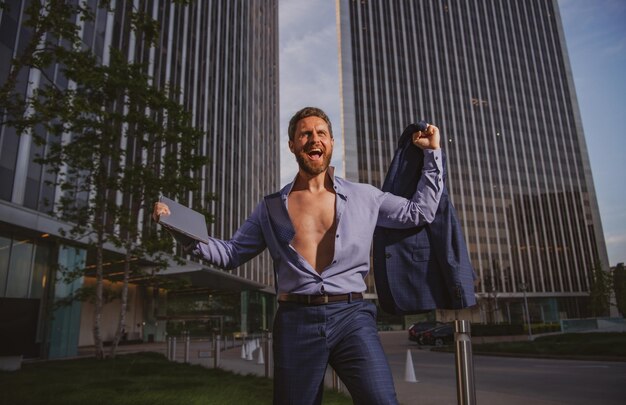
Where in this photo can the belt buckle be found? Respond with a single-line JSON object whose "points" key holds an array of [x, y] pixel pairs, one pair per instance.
{"points": [[325, 299]]}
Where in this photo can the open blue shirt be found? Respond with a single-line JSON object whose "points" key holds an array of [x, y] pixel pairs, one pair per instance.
{"points": [[359, 208]]}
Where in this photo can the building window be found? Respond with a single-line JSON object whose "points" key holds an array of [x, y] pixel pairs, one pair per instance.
{"points": [[23, 267]]}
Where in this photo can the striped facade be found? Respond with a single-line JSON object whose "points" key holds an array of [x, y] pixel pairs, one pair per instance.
{"points": [[494, 75], [222, 57]]}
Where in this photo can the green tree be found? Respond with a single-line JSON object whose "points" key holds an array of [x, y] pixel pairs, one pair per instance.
{"points": [[114, 141], [600, 292], [619, 287]]}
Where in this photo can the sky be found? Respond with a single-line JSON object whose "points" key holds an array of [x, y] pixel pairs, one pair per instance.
{"points": [[595, 34]]}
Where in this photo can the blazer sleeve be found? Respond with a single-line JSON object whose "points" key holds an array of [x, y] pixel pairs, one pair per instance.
{"points": [[399, 212], [247, 242]]}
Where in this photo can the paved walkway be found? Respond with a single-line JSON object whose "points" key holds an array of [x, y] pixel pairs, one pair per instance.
{"points": [[395, 345], [435, 372]]}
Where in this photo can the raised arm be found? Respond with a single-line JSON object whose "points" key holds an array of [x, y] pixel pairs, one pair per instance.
{"points": [[399, 212], [245, 244]]}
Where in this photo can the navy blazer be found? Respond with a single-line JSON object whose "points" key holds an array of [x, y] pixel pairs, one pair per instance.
{"points": [[427, 267]]}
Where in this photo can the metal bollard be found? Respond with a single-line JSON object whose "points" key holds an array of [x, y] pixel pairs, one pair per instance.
{"points": [[216, 354], [267, 347], [187, 343], [465, 389], [173, 350], [168, 348]]}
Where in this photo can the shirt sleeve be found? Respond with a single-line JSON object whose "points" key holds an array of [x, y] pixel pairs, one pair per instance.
{"points": [[245, 244], [399, 212]]}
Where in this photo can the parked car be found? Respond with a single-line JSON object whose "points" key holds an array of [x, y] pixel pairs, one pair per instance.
{"points": [[439, 336], [417, 328]]}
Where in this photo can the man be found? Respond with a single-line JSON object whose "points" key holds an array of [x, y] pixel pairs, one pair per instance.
{"points": [[318, 230]]}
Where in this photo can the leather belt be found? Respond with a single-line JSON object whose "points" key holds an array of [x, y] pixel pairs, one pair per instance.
{"points": [[319, 299]]}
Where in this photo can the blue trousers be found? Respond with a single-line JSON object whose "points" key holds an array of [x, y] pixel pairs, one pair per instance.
{"points": [[344, 335]]}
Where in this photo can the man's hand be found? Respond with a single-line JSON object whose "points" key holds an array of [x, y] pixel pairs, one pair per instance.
{"points": [[428, 139], [160, 209]]}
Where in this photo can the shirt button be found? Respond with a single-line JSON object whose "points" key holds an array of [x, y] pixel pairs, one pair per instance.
{"points": [[436, 157], [387, 255], [337, 235]]}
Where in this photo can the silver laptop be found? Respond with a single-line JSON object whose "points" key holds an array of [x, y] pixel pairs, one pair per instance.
{"points": [[184, 220]]}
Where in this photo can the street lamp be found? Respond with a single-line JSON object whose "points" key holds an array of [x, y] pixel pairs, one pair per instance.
{"points": [[523, 287]]}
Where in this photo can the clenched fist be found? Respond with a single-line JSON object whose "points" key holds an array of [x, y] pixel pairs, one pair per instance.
{"points": [[428, 139]]}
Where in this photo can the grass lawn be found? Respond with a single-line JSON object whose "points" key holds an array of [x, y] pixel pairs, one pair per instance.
{"points": [[144, 378], [607, 345]]}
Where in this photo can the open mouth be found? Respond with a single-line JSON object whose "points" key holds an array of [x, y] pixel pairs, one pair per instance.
{"points": [[315, 154]]}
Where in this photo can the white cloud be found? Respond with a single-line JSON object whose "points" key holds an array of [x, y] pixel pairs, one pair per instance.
{"points": [[616, 239], [293, 14], [613, 214], [616, 247]]}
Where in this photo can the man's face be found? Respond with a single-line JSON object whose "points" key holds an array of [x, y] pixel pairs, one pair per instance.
{"points": [[312, 145]]}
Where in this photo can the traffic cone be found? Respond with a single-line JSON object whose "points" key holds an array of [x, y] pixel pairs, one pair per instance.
{"points": [[243, 351], [261, 359], [409, 371]]}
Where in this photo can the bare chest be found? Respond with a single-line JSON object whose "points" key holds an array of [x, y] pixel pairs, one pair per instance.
{"points": [[313, 219], [312, 214]]}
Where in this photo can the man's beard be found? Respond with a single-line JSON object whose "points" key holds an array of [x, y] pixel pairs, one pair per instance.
{"points": [[305, 165]]}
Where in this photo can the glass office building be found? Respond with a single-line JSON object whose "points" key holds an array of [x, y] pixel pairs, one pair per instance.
{"points": [[494, 75], [223, 57]]}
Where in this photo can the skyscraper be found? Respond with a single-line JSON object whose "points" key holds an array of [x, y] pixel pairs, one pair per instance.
{"points": [[223, 57], [494, 75]]}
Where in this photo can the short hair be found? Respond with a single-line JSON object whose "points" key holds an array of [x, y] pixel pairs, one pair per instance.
{"points": [[304, 113]]}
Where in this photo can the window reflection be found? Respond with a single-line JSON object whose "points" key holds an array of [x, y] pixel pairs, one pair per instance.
{"points": [[40, 269], [24, 264], [20, 265], [5, 252]]}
